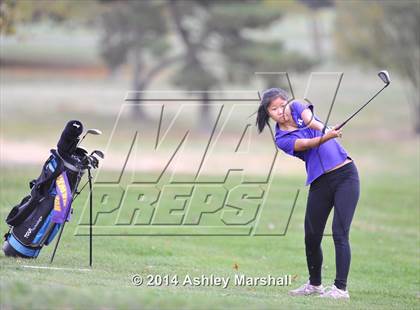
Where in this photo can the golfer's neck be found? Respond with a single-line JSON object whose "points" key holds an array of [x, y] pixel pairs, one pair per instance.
{"points": [[289, 126]]}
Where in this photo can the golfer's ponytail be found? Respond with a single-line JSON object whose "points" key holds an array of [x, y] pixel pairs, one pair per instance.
{"points": [[262, 114], [262, 117]]}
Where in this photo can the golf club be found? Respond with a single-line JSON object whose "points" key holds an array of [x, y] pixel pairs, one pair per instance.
{"points": [[81, 151], [384, 76], [92, 132], [98, 153]]}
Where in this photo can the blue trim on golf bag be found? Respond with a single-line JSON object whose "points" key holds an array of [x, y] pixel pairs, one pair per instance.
{"points": [[21, 248], [52, 165], [52, 234], [43, 229]]}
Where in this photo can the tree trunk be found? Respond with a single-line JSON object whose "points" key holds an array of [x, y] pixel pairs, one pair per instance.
{"points": [[192, 60], [316, 35], [137, 86], [205, 112], [413, 98]]}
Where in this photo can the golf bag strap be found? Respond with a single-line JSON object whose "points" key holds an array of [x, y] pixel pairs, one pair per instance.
{"points": [[21, 211], [6, 235], [32, 183]]}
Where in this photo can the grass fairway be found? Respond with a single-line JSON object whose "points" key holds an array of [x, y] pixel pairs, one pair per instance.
{"points": [[384, 274]]}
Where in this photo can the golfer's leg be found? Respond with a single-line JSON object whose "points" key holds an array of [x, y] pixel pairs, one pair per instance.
{"points": [[317, 210], [345, 201]]}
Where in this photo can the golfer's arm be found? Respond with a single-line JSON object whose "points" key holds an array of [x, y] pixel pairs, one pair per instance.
{"points": [[306, 144], [310, 121]]}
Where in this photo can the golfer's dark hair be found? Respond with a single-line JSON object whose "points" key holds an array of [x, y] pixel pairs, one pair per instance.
{"points": [[268, 96]]}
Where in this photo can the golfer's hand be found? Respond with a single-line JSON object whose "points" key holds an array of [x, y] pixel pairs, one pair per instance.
{"points": [[332, 133]]}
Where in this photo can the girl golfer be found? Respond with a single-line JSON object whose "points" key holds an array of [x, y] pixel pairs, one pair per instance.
{"points": [[333, 180]]}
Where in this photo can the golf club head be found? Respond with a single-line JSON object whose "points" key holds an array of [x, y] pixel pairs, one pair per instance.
{"points": [[81, 151], [384, 75], [98, 153], [94, 162], [94, 131], [91, 161]]}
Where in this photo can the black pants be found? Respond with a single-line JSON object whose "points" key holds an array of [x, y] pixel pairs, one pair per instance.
{"points": [[339, 188]]}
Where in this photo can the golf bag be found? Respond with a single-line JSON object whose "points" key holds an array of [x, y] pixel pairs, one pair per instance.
{"points": [[36, 220]]}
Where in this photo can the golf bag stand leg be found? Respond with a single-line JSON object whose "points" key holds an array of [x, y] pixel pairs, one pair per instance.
{"points": [[90, 217]]}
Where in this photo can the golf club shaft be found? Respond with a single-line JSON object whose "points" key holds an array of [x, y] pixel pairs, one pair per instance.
{"points": [[79, 192], [81, 139], [355, 113]]}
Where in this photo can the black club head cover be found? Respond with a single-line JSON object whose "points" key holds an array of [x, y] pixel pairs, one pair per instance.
{"points": [[69, 138]]}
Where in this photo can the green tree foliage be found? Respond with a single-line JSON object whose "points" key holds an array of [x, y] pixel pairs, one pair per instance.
{"points": [[7, 17], [384, 34], [13, 12], [246, 54], [220, 31]]}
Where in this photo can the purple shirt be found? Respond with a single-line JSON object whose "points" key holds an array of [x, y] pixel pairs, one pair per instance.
{"points": [[318, 159]]}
